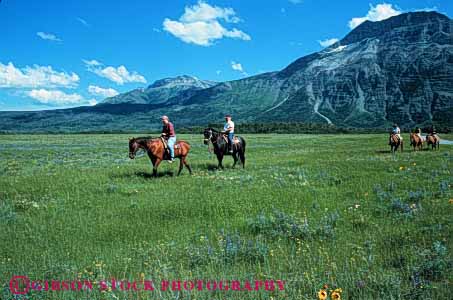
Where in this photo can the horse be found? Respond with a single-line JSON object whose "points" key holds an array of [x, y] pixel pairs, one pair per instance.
{"points": [[157, 153], [432, 140], [220, 144], [395, 142], [416, 141]]}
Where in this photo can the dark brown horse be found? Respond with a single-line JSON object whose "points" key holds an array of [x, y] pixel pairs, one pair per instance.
{"points": [[219, 141], [395, 142], [157, 153], [416, 141], [433, 140]]}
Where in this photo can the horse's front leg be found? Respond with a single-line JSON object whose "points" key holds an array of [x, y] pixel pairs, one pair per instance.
{"points": [[220, 158]]}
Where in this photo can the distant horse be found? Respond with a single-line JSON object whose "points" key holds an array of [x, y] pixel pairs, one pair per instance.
{"points": [[219, 141], [157, 153], [416, 141], [395, 142], [433, 140]]}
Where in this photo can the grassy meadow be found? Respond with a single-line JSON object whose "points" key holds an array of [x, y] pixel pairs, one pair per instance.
{"points": [[336, 210]]}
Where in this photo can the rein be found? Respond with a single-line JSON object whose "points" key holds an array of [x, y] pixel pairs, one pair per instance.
{"points": [[212, 139]]}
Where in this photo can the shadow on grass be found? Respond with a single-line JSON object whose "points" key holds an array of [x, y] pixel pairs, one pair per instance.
{"points": [[147, 175], [214, 167], [385, 151]]}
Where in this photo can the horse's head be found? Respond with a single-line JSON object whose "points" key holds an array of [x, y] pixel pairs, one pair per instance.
{"points": [[133, 147], [208, 134]]}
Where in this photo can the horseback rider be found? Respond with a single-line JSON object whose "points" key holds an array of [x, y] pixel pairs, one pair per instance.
{"points": [[395, 131], [418, 131], [168, 132], [228, 129], [433, 132]]}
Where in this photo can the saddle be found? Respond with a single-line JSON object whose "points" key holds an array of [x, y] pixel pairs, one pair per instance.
{"points": [[395, 135], [235, 139], [164, 142], [167, 155]]}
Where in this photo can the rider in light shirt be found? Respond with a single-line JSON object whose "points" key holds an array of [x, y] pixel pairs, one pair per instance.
{"points": [[395, 131], [229, 129], [168, 132]]}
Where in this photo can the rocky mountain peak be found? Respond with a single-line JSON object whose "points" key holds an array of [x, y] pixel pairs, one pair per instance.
{"points": [[410, 27], [183, 80]]}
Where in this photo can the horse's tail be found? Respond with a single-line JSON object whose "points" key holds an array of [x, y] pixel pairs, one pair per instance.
{"points": [[243, 143], [185, 143]]}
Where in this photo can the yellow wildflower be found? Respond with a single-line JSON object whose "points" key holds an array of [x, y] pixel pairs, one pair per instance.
{"points": [[335, 296], [322, 295]]}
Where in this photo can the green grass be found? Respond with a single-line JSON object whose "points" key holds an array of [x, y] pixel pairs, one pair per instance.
{"points": [[310, 210]]}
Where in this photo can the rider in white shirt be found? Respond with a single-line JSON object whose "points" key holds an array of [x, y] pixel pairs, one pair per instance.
{"points": [[229, 129]]}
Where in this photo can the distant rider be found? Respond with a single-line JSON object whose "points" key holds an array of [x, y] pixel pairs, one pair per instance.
{"points": [[168, 132], [433, 132], [396, 131], [228, 129], [418, 131]]}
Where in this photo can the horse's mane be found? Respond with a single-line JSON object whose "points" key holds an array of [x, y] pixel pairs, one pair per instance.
{"points": [[143, 139], [212, 129]]}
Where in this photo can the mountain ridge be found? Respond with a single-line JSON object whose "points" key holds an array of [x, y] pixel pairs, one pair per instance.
{"points": [[162, 90], [396, 70]]}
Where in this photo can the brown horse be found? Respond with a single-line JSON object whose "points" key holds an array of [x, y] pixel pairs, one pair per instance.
{"points": [[157, 153], [432, 140], [416, 141], [395, 142]]}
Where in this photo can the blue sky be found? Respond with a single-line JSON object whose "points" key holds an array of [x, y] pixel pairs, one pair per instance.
{"points": [[56, 54]]}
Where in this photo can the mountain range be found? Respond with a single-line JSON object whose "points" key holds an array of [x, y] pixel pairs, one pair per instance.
{"points": [[397, 70]]}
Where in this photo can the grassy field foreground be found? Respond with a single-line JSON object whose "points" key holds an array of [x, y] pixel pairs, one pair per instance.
{"points": [[334, 210]]}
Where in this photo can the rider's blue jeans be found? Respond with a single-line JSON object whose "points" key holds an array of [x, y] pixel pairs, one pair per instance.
{"points": [[171, 143], [230, 139]]}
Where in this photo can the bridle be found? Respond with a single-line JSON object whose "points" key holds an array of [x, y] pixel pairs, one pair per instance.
{"points": [[132, 153], [211, 139], [136, 146]]}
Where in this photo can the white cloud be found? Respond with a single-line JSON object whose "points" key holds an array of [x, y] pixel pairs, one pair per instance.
{"points": [[328, 42], [92, 62], [58, 98], [376, 13], [83, 22], [55, 97], [237, 66], [103, 92], [48, 36], [34, 77], [119, 75], [200, 24], [205, 12], [427, 9]]}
